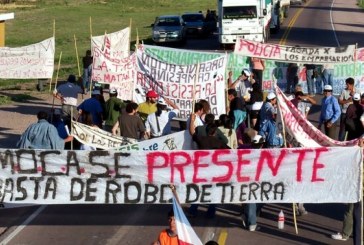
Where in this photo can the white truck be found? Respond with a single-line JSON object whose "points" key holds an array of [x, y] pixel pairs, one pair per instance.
{"points": [[249, 19]]}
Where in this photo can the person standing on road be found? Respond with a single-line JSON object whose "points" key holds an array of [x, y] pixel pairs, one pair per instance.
{"points": [[42, 135], [68, 94], [113, 106], [330, 112], [328, 74], [87, 70], [345, 99], [292, 77], [310, 69]]}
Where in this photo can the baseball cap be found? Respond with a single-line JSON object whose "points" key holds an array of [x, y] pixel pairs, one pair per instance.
{"points": [[356, 97], [271, 96], [328, 87], [152, 94], [161, 101], [258, 139], [112, 91], [246, 72]]}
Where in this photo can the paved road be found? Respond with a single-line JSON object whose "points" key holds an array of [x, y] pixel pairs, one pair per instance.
{"points": [[130, 224]]}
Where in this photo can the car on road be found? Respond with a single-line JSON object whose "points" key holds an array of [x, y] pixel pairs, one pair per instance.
{"points": [[196, 24], [169, 29]]}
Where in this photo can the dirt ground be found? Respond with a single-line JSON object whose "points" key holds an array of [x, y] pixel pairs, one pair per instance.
{"points": [[17, 116]]}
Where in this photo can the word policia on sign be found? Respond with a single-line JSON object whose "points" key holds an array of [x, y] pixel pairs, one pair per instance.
{"points": [[221, 176]]}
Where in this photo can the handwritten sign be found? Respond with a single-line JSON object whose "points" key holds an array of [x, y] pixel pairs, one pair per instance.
{"points": [[28, 62], [214, 176], [306, 55], [182, 83]]}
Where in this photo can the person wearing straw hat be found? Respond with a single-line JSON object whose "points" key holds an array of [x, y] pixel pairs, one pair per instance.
{"points": [[330, 112]]}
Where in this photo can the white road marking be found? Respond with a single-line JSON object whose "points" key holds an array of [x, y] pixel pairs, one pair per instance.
{"points": [[332, 24]]}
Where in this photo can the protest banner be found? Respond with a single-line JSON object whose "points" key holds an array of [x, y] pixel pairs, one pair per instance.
{"points": [[274, 72], [119, 73], [101, 139], [300, 131], [182, 83], [308, 175], [114, 45], [28, 62], [297, 54]]}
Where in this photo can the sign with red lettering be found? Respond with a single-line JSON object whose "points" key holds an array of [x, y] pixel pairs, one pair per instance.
{"points": [[308, 175], [182, 83], [296, 54], [301, 129]]}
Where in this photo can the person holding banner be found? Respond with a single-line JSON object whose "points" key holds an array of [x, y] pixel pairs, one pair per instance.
{"points": [[330, 112], [268, 125], [195, 119], [93, 106], [87, 70], [159, 123], [42, 135], [149, 106], [68, 94], [129, 123]]}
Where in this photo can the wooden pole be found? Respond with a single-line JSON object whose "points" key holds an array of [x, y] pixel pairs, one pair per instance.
{"points": [[130, 22], [77, 58], [55, 86], [194, 87], [90, 27]]}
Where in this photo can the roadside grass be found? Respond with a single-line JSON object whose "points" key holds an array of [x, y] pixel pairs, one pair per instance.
{"points": [[34, 21], [6, 99]]}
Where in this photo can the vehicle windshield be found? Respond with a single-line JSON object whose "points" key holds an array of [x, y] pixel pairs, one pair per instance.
{"points": [[240, 12], [192, 17], [168, 22]]}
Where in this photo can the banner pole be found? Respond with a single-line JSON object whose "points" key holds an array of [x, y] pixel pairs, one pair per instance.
{"points": [[355, 59], [55, 86], [77, 58], [130, 32], [194, 87], [276, 89], [54, 36], [90, 27]]}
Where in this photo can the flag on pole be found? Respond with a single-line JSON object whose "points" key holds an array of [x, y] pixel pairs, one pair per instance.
{"points": [[186, 234]]}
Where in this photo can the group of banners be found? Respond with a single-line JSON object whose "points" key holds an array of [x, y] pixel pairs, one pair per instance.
{"points": [[127, 171]]}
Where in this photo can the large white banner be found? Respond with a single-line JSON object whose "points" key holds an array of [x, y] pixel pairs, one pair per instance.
{"points": [[307, 175], [28, 62], [182, 83], [104, 140], [297, 54]]}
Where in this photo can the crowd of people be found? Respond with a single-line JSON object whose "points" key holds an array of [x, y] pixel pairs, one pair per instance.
{"points": [[250, 122]]}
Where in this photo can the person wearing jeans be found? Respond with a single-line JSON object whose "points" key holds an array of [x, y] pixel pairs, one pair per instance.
{"points": [[310, 78], [328, 74]]}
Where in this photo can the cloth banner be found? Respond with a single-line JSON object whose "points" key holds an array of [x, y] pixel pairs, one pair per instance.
{"points": [[119, 73], [115, 45], [186, 234], [274, 72], [291, 175], [300, 131], [28, 62], [104, 140], [182, 83], [305, 55]]}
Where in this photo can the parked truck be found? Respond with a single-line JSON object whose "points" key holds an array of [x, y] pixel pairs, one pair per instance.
{"points": [[250, 19]]}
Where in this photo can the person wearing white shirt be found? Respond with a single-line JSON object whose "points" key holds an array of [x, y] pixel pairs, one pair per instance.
{"points": [[159, 123]]}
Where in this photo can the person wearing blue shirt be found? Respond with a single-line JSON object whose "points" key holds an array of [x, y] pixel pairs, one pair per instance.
{"points": [[93, 106], [42, 135], [268, 126], [330, 112]]}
